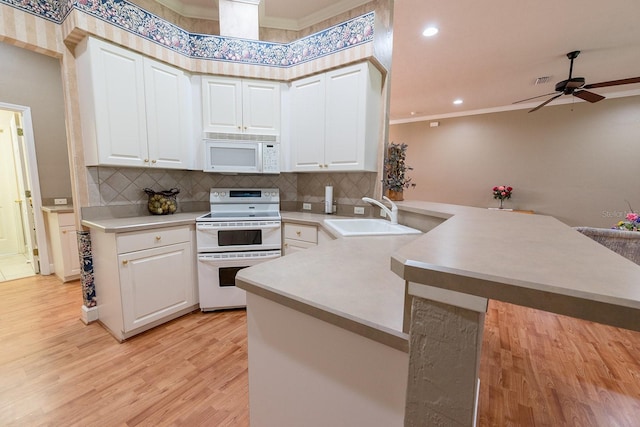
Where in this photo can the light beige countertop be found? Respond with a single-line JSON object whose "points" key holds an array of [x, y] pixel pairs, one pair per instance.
{"points": [[309, 218], [146, 222], [529, 260], [139, 223], [346, 282], [58, 209]]}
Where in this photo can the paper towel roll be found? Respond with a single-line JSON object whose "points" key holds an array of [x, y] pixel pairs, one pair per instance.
{"points": [[328, 199]]}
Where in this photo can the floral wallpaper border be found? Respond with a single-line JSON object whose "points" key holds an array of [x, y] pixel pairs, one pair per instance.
{"points": [[136, 20]]}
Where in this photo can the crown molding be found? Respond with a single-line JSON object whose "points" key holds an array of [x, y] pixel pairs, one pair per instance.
{"points": [[212, 13], [193, 11], [502, 109], [335, 9]]}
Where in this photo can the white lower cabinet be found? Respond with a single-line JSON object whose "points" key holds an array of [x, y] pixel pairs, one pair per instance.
{"points": [[63, 242], [297, 237], [144, 278]]}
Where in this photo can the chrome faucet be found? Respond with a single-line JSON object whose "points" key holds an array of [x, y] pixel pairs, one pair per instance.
{"points": [[391, 213]]}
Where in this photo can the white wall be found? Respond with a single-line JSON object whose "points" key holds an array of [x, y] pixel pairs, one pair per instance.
{"points": [[579, 163]]}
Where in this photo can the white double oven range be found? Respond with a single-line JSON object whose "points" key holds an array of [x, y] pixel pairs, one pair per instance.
{"points": [[242, 229]]}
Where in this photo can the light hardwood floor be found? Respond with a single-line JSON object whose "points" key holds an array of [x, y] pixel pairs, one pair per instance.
{"points": [[56, 371], [537, 369]]}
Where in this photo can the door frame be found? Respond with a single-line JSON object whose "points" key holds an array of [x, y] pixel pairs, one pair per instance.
{"points": [[36, 198]]}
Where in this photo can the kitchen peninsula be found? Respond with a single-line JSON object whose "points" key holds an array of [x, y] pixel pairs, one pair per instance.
{"points": [[325, 328]]}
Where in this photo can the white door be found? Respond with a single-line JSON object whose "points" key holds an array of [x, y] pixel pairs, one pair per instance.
{"points": [[28, 236], [261, 107], [16, 208], [155, 283], [221, 105], [70, 255], [118, 82], [345, 116], [10, 228], [308, 124], [33, 205], [167, 107]]}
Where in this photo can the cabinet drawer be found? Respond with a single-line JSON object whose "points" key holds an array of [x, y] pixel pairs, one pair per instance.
{"points": [[306, 233], [140, 240], [65, 219]]}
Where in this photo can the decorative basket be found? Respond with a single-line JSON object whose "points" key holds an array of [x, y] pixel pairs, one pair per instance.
{"points": [[162, 202]]}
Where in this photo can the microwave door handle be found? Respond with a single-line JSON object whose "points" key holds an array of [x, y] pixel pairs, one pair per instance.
{"points": [[259, 154]]}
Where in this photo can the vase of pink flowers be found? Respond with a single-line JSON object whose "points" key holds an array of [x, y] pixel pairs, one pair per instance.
{"points": [[631, 222], [502, 192]]}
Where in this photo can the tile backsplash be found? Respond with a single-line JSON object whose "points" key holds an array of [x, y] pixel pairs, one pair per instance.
{"points": [[111, 186]]}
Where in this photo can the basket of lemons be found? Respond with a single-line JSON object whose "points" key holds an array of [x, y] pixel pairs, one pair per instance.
{"points": [[162, 202]]}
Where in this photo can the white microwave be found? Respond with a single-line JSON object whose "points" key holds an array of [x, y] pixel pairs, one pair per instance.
{"points": [[241, 156]]}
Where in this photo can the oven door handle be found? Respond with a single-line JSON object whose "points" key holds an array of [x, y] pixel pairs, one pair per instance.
{"points": [[210, 259], [208, 227]]}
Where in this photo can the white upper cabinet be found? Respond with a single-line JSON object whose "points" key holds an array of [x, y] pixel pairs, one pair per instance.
{"points": [[167, 91], [134, 111], [335, 120], [307, 97], [232, 105]]}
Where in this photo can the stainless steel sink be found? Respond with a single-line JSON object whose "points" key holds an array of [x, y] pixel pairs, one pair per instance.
{"points": [[367, 227]]}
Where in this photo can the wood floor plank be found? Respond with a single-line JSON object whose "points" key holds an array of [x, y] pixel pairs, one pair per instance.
{"points": [[537, 368]]}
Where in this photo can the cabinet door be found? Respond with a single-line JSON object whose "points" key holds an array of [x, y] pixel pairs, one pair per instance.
{"points": [[308, 124], [156, 283], [70, 255], [260, 107], [221, 105], [119, 103], [167, 110], [345, 118]]}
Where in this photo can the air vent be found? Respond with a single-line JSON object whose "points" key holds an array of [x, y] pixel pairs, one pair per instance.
{"points": [[542, 80], [241, 137]]}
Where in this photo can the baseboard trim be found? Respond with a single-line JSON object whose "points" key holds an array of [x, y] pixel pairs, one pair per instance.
{"points": [[89, 314]]}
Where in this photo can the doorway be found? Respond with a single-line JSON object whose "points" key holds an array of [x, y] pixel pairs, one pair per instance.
{"points": [[21, 219]]}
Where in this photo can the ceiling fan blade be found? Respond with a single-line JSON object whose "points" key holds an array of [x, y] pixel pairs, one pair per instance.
{"points": [[614, 83], [535, 97], [545, 102], [588, 96]]}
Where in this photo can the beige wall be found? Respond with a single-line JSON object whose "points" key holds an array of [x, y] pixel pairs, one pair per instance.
{"points": [[39, 87], [578, 163]]}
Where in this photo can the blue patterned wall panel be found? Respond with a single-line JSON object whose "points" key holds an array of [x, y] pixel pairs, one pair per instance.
{"points": [[138, 21]]}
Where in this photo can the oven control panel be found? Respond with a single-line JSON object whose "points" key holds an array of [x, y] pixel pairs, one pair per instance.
{"points": [[244, 195]]}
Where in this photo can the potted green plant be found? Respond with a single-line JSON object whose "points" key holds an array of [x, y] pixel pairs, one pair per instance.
{"points": [[395, 168]]}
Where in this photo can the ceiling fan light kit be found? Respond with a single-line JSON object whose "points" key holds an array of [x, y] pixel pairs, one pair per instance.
{"points": [[576, 86]]}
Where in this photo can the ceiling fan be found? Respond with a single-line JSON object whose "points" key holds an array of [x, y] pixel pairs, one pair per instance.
{"points": [[576, 86]]}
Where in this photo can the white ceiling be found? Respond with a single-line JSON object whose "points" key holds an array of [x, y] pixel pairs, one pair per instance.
{"points": [[489, 53]]}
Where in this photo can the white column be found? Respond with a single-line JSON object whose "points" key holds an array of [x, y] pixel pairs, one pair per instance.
{"points": [[445, 340], [239, 18]]}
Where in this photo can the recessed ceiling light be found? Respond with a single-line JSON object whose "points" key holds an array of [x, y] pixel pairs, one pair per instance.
{"points": [[457, 101], [430, 31]]}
